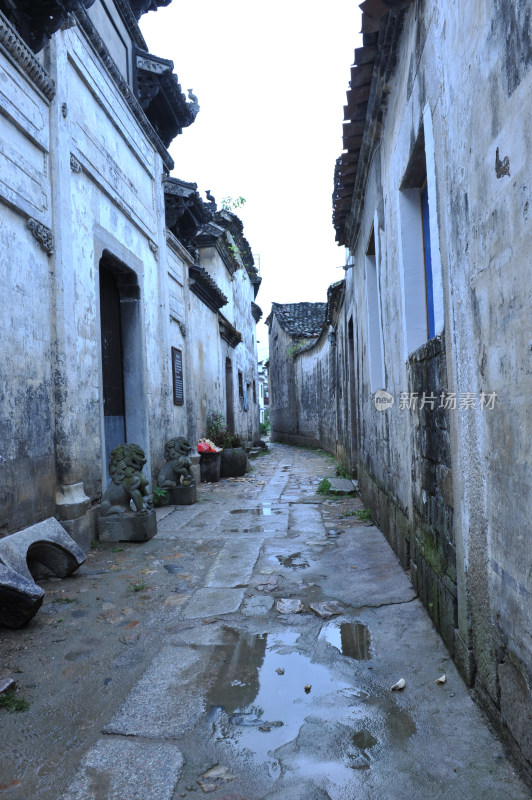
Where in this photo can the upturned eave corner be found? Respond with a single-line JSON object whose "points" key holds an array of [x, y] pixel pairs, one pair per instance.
{"points": [[161, 97]]}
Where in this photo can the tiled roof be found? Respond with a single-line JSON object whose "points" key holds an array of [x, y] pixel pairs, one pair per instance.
{"points": [[335, 297], [365, 96], [299, 319]]}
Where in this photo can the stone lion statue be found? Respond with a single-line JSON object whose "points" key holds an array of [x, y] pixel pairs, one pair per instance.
{"points": [[177, 470], [127, 482]]}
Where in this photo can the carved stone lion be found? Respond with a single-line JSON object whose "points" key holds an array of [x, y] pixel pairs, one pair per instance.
{"points": [[177, 470], [127, 482]]}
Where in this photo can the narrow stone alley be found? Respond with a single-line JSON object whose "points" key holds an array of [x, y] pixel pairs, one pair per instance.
{"points": [[247, 652]]}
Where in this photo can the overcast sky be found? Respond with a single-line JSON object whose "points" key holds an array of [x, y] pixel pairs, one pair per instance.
{"points": [[271, 80]]}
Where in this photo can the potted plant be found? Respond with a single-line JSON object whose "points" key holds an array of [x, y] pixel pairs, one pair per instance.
{"points": [[234, 457], [210, 461]]}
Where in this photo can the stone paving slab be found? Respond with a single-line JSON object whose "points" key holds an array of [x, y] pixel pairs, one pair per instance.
{"points": [[257, 606], [233, 566], [209, 602], [167, 696], [368, 574], [121, 769], [187, 681]]}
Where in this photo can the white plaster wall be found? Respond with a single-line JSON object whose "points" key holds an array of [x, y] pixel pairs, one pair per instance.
{"points": [[27, 463], [110, 27], [464, 71], [115, 204], [246, 422]]}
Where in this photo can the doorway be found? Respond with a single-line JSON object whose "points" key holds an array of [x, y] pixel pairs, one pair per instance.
{"points": [[229, 400], [353, 427], [114, 409], [123, 394]]}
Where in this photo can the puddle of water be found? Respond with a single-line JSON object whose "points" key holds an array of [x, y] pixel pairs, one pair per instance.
{"points": [[364, 740], [293, 561], [251, 698], [350, 638], [264, 510]]}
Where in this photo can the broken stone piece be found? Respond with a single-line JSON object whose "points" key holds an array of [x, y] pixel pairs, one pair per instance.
{"points": [[328, 608], [215, 777], [41, 549], [20, 598], [289, 606], [267, 726], [399, 686], [7, 685]]}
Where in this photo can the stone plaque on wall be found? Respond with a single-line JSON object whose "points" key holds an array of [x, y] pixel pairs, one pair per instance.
{"points": [[177, 376]]}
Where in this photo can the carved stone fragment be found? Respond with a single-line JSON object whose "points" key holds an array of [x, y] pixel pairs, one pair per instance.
{"points": [[41, 234]]}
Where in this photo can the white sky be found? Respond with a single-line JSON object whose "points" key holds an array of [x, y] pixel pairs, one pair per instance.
{"points": [[271, 80]]}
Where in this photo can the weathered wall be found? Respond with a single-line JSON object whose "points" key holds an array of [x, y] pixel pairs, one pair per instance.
{"points": [[316, 390], [27, 450], [284, 419], [450, 486], [79, 166], [208, 351], [486, 167], [119, 183], [182, 417], [246, 417]]}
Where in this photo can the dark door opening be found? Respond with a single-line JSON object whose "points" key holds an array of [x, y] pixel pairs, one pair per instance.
{"points": [[114, 409], [353, 427], [229, 399]]}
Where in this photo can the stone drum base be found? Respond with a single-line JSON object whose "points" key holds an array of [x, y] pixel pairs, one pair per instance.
{"points": [[128, 527], [180, 495]]}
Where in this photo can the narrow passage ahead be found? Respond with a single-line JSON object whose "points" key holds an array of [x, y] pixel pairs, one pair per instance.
{"points": [[247, 652]]}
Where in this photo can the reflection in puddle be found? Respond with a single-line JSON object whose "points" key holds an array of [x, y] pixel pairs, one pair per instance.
{"points": [[294, 561], [351, 638], [261, 708], [264, 510]]}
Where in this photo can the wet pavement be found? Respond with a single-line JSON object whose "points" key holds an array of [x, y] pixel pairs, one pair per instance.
{"points": [[246, 652]]}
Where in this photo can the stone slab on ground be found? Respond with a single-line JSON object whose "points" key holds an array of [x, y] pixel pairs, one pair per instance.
{"points": [[167, 697], [121, 769], [211, 602], [234, 564], [368, 574], [341, 485], [256, 606]]}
